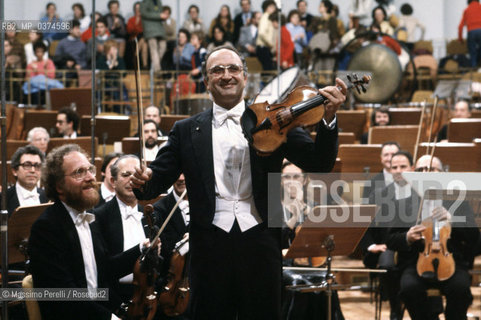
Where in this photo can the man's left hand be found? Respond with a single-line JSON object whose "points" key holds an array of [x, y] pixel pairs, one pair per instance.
{"points": [[336, 96]]}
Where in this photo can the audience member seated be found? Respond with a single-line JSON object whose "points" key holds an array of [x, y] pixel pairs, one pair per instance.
{"points": [[298, 35], [287, 46], [242, 19], [87, 34], [116, 25], [219, 38], [198, 57], [16, 46], [224, 20], [79, 14], [34, 36], [39, 137], [154, 32], [183, 52], [100, 39], [150, 138], [51, 17], [135, 31], [383, 178], [26, 168], [170, 26], [40, 66], [266, 36], [67, 123], [72, 46], [376, 35], [462, 110], [106, 190], [248, 36], [326, 23], [13, 67], [120, 219], [379, 117], [153, 113], [379, 17], [194, 22], [110, 59]]}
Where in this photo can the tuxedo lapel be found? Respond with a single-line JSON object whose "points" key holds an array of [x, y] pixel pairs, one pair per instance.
{"points": [[12, 200], [117, 231], [201, 132]]}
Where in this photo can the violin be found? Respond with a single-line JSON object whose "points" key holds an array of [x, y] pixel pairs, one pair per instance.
{"points": [[266, 126], [143, 305], [173, 300], [435, 262]]}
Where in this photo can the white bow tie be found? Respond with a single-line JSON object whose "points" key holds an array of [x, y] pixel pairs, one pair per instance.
{"points": [[133, 212], [30, 194], [84, 217], [222, 115]]}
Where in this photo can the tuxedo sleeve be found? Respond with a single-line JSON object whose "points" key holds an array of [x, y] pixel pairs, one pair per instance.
{"points": [[49, 270], [313, 156], [165, 168]]}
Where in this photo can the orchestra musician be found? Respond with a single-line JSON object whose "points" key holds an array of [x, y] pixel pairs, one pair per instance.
{"points": [[405, 237], [236, 259], [66, 247], [121, 220]]}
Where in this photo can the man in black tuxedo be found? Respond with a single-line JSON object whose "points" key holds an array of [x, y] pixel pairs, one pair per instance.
{"points": [[121, 219], [66, 247], [383, 178], [405, 237], [242, 19], [26, 167], [235, 265], [178, 225], [106, 190]]}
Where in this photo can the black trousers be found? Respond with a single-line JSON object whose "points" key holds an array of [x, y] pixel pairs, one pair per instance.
{"points": [[235, 275], [456, 289]]}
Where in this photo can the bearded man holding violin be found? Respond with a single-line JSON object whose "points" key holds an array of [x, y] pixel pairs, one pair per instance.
{"points": [[407, 238], [236, 262]]}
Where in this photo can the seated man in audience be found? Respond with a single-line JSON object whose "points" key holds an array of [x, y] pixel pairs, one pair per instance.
{"points": [[39, 137], [26, 167], [67, 123], [66, 247], [100, 39], [120, 219], [462, 110], [379, 117], [153, 113], [107, 191], [248, 36], [150, 138], [72, 46], [384, 177]]}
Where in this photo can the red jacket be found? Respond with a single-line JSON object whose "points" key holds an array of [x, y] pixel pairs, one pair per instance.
{"points": [[471, 18], [287, 47], [134, 29]]}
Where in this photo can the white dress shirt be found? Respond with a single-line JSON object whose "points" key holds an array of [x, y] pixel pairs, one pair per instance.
{"points": [[106, 193], [388, 179], [81, 221], [233, 181], [184, 208], [150, 154], [133, 230], [72, 136], [26, 197]]}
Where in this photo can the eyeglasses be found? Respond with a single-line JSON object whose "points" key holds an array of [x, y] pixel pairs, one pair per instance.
{"points": [[219, 70], [126, 174], [81, 172], [29, 165]]}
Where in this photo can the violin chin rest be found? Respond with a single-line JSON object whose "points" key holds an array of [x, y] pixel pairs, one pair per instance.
{"points": [[248, 123]]}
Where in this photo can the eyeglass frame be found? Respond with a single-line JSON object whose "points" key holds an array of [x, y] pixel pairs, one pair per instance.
{"points": [[27, 165], [224, 68], [81, 175]]}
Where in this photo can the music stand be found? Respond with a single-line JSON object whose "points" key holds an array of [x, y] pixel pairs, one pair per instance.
{"points": [[19, 225], [330, 237]]}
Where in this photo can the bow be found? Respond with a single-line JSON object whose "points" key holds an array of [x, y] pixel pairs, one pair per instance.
{"points": [[221, 115], [84, 217]]}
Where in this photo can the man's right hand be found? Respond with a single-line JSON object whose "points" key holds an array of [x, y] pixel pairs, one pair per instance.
{"points": [[377, 248], [415, 233], [140, 177]]}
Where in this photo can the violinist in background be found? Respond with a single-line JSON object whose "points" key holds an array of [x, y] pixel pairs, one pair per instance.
{"points": [[235, 258], [408, 241]]}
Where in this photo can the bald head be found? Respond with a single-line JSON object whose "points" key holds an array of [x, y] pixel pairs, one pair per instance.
{"points": [[424, 163]]}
